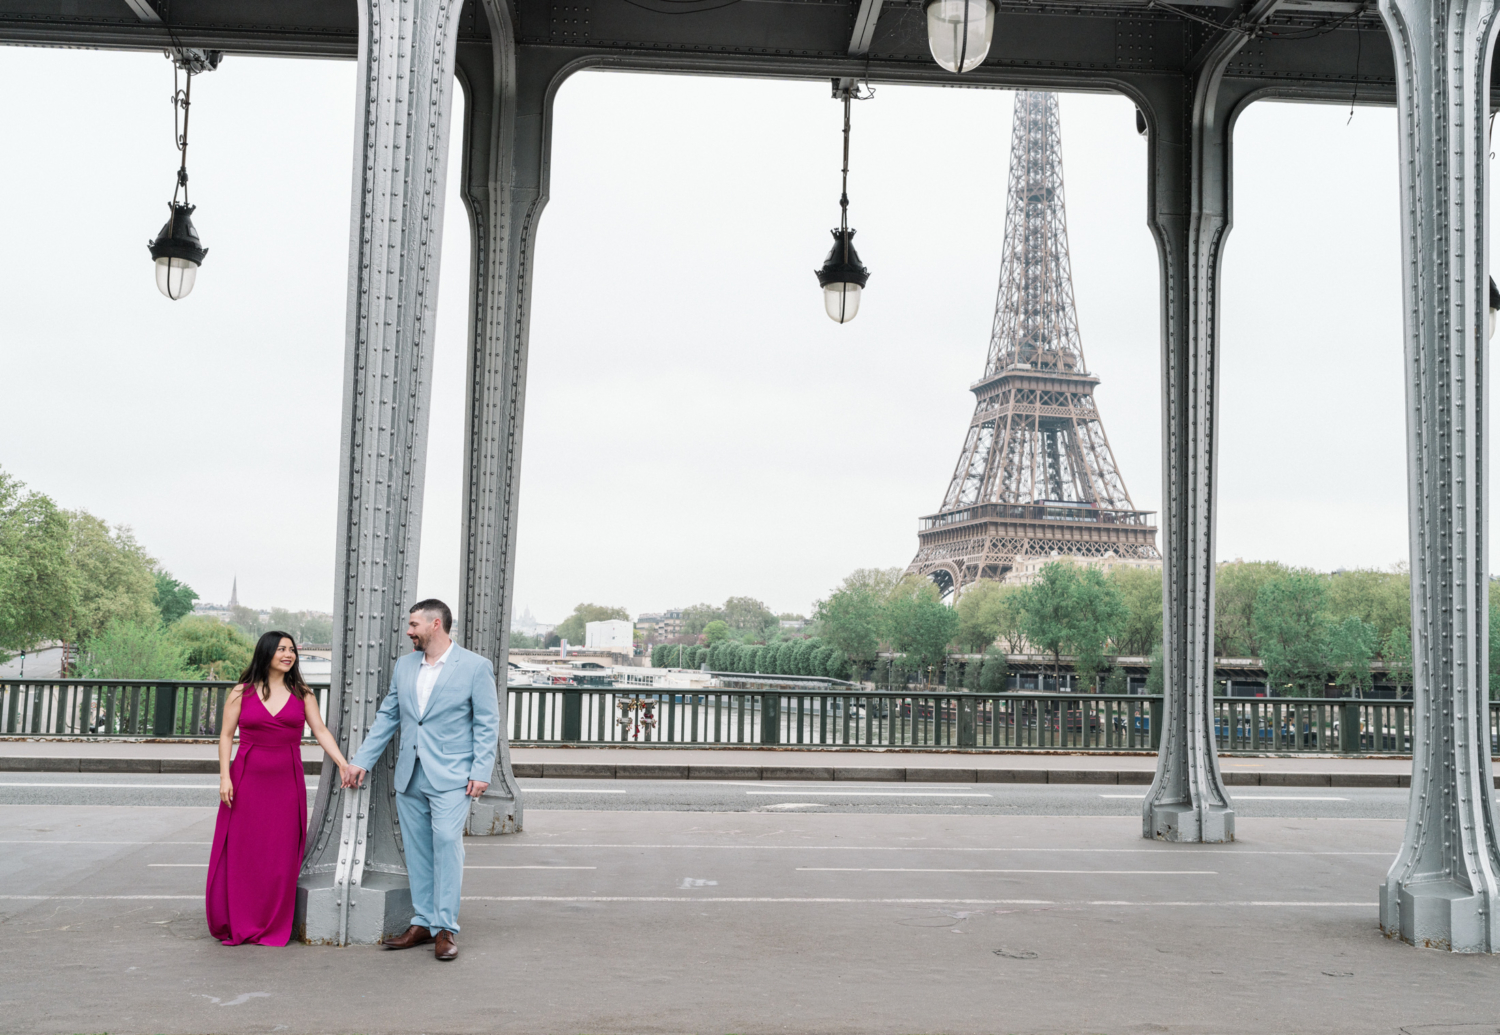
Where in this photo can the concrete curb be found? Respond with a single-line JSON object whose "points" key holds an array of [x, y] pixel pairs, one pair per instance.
{"points": [[941, 774]]}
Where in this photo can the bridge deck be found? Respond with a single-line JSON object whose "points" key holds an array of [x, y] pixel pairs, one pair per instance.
{"points": [[755, 921]]}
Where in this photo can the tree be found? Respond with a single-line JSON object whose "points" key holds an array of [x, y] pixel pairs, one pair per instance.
{"points": [[1291, 630], [851, 616], [1380, 598], [994, 674], [1397, 653], [919, 624], [716, 631], [173, 599], [134, 650], [1237, 586], [696, 618], [213, 649], [1156, 681], [1351, 648], [573, 629], [749, 616], [248, 621], [1098, 615], [983, 609], [1047, 608], [114, 579], [1117, 682], [36, 585], [1140, 590]]}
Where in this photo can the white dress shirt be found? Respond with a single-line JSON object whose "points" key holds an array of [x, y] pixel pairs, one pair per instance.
{"points": [[427, 677]]}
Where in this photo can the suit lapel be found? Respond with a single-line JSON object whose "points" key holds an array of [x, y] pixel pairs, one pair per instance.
{"points": [[442, 679]]}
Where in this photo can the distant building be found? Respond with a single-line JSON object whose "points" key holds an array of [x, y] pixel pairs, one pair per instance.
{"points": [[614, 635], [529, 626], [661, 625], [1027, 569], [794, 624]]}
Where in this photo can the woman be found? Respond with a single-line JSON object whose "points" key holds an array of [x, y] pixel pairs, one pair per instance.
{"points": [[262, 827]]}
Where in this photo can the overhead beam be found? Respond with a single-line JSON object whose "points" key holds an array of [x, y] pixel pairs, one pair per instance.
{"points": [[864, 27], [145, 11]]}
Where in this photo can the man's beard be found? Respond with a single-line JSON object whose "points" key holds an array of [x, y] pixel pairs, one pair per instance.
{"points": [[419, 642]]}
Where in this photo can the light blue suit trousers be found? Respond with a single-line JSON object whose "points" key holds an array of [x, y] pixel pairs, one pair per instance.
{"points": [[442, 747]]}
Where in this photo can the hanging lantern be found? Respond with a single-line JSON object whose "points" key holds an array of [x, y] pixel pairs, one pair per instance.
{"points": [[959, 32], [842, 278], [177, 251]]}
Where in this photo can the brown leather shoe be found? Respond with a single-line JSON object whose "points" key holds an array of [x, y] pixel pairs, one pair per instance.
{"points": [[415, 935], [446, 948]]}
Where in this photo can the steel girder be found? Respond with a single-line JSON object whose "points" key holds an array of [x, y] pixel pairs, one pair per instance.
{"points": [[502, 189], [353, 886], [1443, 889]]}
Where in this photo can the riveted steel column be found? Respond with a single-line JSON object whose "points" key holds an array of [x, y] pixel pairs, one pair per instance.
{"points": [[1190, 216], [353, 886], [505, 189], [1442, 889]]}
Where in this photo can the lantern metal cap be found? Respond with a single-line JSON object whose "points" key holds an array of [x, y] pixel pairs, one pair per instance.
{"points": [[840, 270], [178, 239]]}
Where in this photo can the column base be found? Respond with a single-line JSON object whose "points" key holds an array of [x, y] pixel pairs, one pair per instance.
{"points": [[381, 907], [1438, 915], [491, 814], [1180, 821]]}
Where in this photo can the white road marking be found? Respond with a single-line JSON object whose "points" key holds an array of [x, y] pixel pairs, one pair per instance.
{"points": [[895, 869], [1248, 797], [700, 900], [870, 794], [202, 864], [531, 867], [1176, 853], [572, 790], [130, 786]]}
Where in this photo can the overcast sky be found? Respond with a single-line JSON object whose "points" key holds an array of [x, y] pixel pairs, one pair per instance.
{"points": [[696, 426]]}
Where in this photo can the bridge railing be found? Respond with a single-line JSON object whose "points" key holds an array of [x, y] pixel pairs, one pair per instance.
{"points": [[833, 718], [118, 707]]}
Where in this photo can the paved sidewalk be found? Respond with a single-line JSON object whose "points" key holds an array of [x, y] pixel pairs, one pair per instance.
{"points": [[18, 755]]}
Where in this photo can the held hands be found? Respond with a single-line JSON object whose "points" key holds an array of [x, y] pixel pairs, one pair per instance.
{"points": [[352, 776], [226, 791]]}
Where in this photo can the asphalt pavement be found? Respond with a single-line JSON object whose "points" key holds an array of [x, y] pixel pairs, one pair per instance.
{"points": [[188, 790]]}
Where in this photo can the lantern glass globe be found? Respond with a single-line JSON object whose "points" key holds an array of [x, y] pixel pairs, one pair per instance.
{"points": [[174, 277], [841, 301], [959, 32]]}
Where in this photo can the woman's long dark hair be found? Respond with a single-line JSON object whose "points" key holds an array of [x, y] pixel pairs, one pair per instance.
{"points": [[258, 674]]}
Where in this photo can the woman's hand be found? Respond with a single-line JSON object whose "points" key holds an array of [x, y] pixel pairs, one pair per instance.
{"points": [[343, 774], [226, 791]]}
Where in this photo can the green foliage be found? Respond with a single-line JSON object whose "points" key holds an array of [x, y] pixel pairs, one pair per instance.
{"points": [[173, 599], [851, 617], [985, 608], [749, 616], [1494, 653], [36, 584], [1156, 682], [919, 624], [1291, 630], [1098, 614], [994, 672], [1047, 608], [1351, 648], [572, 627], [1381, 599], [1237, 586], [213, 649], [696, 618], [305, 627], [1397, 652], [716, 631], [134, 650], [113, 577], [518, 640], [1140, 591], [1117, 682], [972, 672]]}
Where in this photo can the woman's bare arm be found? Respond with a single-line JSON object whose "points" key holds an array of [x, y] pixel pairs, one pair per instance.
{"points": [[321, 735], [226, 742]]}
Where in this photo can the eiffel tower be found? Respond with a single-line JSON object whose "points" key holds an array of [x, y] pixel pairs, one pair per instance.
{"points": [[1036, 477]]}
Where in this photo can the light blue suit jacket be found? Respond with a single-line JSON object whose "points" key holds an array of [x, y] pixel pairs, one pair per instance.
{"points": [[455, 738]]}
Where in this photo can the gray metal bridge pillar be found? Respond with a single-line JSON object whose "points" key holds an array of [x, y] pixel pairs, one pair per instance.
{"points": [[504, 190], [353, 886], [1442, 890], [1189, 213]]}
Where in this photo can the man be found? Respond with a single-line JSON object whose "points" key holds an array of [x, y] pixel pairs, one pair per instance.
{"points": [[443, 700]]}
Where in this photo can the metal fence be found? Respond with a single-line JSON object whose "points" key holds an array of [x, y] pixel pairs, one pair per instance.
{"points": [[843, 719], [117, 707]]}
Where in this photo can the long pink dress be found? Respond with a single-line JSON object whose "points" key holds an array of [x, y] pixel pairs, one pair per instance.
{"points": [[257, 852]]}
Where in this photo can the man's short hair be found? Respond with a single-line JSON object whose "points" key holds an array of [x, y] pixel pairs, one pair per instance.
{"points": [[433, 606]]}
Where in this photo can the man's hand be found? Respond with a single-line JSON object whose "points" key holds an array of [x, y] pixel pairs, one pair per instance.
{"points": [[476, 788], [354, 776]]}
